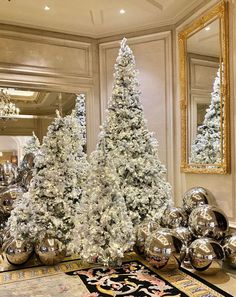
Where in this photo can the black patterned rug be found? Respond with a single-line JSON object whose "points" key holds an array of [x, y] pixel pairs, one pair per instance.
{"points": [[138, 279]]}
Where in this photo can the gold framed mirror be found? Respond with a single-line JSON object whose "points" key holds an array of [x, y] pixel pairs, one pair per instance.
{"points": [[204, 91]]}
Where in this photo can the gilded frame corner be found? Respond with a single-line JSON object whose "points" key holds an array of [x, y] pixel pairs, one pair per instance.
{"points": [[218, 11]]}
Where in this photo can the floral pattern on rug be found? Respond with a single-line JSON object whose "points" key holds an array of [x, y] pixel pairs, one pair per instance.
{"points": [[131, 280]]}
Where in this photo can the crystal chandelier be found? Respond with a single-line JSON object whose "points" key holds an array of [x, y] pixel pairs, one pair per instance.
{"points": [[8, 109]]}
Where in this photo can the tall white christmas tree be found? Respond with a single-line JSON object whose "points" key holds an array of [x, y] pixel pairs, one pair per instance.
{"points": [[32, 145], [206, 148], [49, 207], [126, 183]]}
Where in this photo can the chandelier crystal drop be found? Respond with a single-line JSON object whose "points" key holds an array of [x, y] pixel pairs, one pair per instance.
{"points": [[8, 109]]}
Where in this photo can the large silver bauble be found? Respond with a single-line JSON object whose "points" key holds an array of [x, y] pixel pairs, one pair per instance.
{"points": [[206, 255], [164, 250], [7, 197], [195, 197], [208, 221], [18, 252], [174, 217], [49, 251], [184, 234], [229, 246], [143, 231], [9, 173]]}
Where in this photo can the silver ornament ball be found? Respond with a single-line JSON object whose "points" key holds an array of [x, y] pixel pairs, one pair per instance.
{"points": [[143, 231], [7, 197], [17, 251], [206, 255], [174, 217], [208, 221], [229, 246], [164, 250], [184, 234], [195, 197], [50, 251]]}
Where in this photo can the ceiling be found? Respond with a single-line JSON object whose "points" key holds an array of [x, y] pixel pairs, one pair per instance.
{"points": [[94, 18]]}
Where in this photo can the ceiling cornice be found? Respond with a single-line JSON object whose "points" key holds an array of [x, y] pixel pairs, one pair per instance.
{"points": [[88, 37]]}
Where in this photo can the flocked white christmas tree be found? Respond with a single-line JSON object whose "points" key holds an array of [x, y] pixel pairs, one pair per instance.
{"points": [[126, 183], [206, 148], [32, 145], [49, 207]]}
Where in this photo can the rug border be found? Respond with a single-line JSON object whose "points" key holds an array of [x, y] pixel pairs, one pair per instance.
{"points": [[214, 287]]}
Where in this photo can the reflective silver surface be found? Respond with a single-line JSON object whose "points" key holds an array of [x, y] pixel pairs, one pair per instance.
{"points": [[143, 231], [208, 221], [229, 246], [8, 173], [7, 197], [195, 197], [174, 217], [206, 255], [184, 234], [49, 251], [18, 252], [27, 162], [164, 250]]}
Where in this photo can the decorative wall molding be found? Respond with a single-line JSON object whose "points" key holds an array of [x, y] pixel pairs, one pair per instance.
{"points": [[43, 55]]}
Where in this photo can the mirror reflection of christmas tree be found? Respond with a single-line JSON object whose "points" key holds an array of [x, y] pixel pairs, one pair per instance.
{"points": [[80, 110], [32, 145], [207, 146]]}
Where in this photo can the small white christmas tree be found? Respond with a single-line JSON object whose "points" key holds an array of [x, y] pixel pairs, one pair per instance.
{"points": [[126, 182], [32, 146], [206, 148], [49, 207]]}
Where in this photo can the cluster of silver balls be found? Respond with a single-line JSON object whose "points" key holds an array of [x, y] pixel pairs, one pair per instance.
{"points": [[196, 235]]}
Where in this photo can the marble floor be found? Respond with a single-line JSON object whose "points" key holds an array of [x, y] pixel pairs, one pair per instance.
{"points": [[225, 280]]}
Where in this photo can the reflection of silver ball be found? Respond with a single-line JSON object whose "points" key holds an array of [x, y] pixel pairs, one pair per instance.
{"points": [[7, 197], [27, 162], [229, 246], [9, 173], [174, 217], [18, 252], [208, 221], [164, 250], [184, 234], [26, 178], [195, 197], [143, 231], [49, 251], [206, 255]]}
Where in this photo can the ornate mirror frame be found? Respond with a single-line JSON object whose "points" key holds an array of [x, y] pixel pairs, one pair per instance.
{"points": [[219, 11]]}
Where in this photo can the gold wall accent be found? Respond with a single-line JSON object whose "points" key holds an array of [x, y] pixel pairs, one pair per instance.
{"points": [[219, 11]]}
